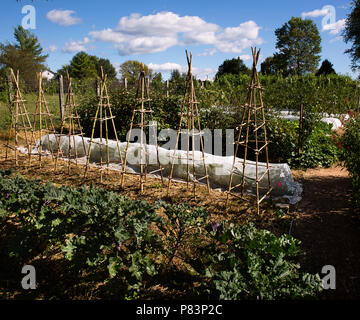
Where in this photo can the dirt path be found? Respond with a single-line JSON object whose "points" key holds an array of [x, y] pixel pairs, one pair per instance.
{"points": [[329, 227]]}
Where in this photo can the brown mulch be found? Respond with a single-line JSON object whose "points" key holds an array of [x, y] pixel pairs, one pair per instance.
{"points": [[329, 227]]}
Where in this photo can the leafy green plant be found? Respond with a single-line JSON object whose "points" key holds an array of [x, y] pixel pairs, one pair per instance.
{"points": [[319, 150], [349, 145], [135, 245], [255, 264]]}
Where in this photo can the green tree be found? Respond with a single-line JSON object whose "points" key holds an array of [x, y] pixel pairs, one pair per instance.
{"points": [[326, 68], [28, 42], [25, 55], [157, 81], [177, 81], [131, 70], [108, 68], [84, 66], [81, 66], [232, 66], [351, 34], [175, 75], [270, 66], [299, 45]]}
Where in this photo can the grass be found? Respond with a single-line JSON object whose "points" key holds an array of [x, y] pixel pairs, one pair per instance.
{"points": [[30, 104]]}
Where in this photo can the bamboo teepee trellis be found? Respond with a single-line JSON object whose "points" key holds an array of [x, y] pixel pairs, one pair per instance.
{"points": [[103, 114], [143, 89], [20, 121], [70, 116], [43, 120], [252, 111], [190, 113]]}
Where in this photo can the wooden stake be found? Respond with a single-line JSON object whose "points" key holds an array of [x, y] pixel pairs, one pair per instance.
{"points": [[300, 129], [103, 114], [189, 110], [254, 105], [20, 119], [144, 93], [70, 114]]}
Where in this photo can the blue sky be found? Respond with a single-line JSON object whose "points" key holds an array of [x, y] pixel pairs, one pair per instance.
{"points": [[157, 32]]}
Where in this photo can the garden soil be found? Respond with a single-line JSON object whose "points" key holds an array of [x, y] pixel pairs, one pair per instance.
{"points": [[329, 227]]}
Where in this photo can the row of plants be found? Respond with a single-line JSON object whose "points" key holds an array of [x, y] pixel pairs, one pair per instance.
{"points": [[219, 109], [318, 149], [332, 94], [133, 246], [349, 143]]}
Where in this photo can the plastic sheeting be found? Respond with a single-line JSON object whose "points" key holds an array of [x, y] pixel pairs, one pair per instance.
{"points": [[335, 123], [218, 167], [331, 119]]}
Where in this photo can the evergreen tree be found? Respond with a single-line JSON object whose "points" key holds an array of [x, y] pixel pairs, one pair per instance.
{"points": [[25, 55], [28, 42], [326, 68], [84, 66]]}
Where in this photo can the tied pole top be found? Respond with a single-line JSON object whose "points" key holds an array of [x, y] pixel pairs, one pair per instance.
{"points": [[189, 62], [255, 53]]}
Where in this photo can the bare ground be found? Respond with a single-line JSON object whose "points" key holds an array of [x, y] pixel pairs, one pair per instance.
{"points": [[329, 227]]}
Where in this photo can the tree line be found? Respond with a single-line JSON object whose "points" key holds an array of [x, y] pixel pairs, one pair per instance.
{"points": [[298, 45]]}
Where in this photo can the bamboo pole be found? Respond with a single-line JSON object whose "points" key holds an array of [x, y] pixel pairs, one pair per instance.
{"points": [[254, 104], [40, 116], [102, 115], [189, 109], [70, 113], [61, 96], [18, 109], [300, 141], [142, 91]]}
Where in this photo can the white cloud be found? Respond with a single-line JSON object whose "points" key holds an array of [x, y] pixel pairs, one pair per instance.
{"points": [[245, 57], [141, 45], [108, 35], [202, 74], [166, 67], [76, 46], [335, 28], [138, 34], [166, 23], [247, 29], [208, 52], [51, 48], [63, 17], [336, 39], [316, 13], [200, 38]]}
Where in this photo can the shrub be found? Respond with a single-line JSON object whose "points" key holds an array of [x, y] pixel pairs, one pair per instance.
{"points": [[283, 135], [349, 144], [318, 148]]}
